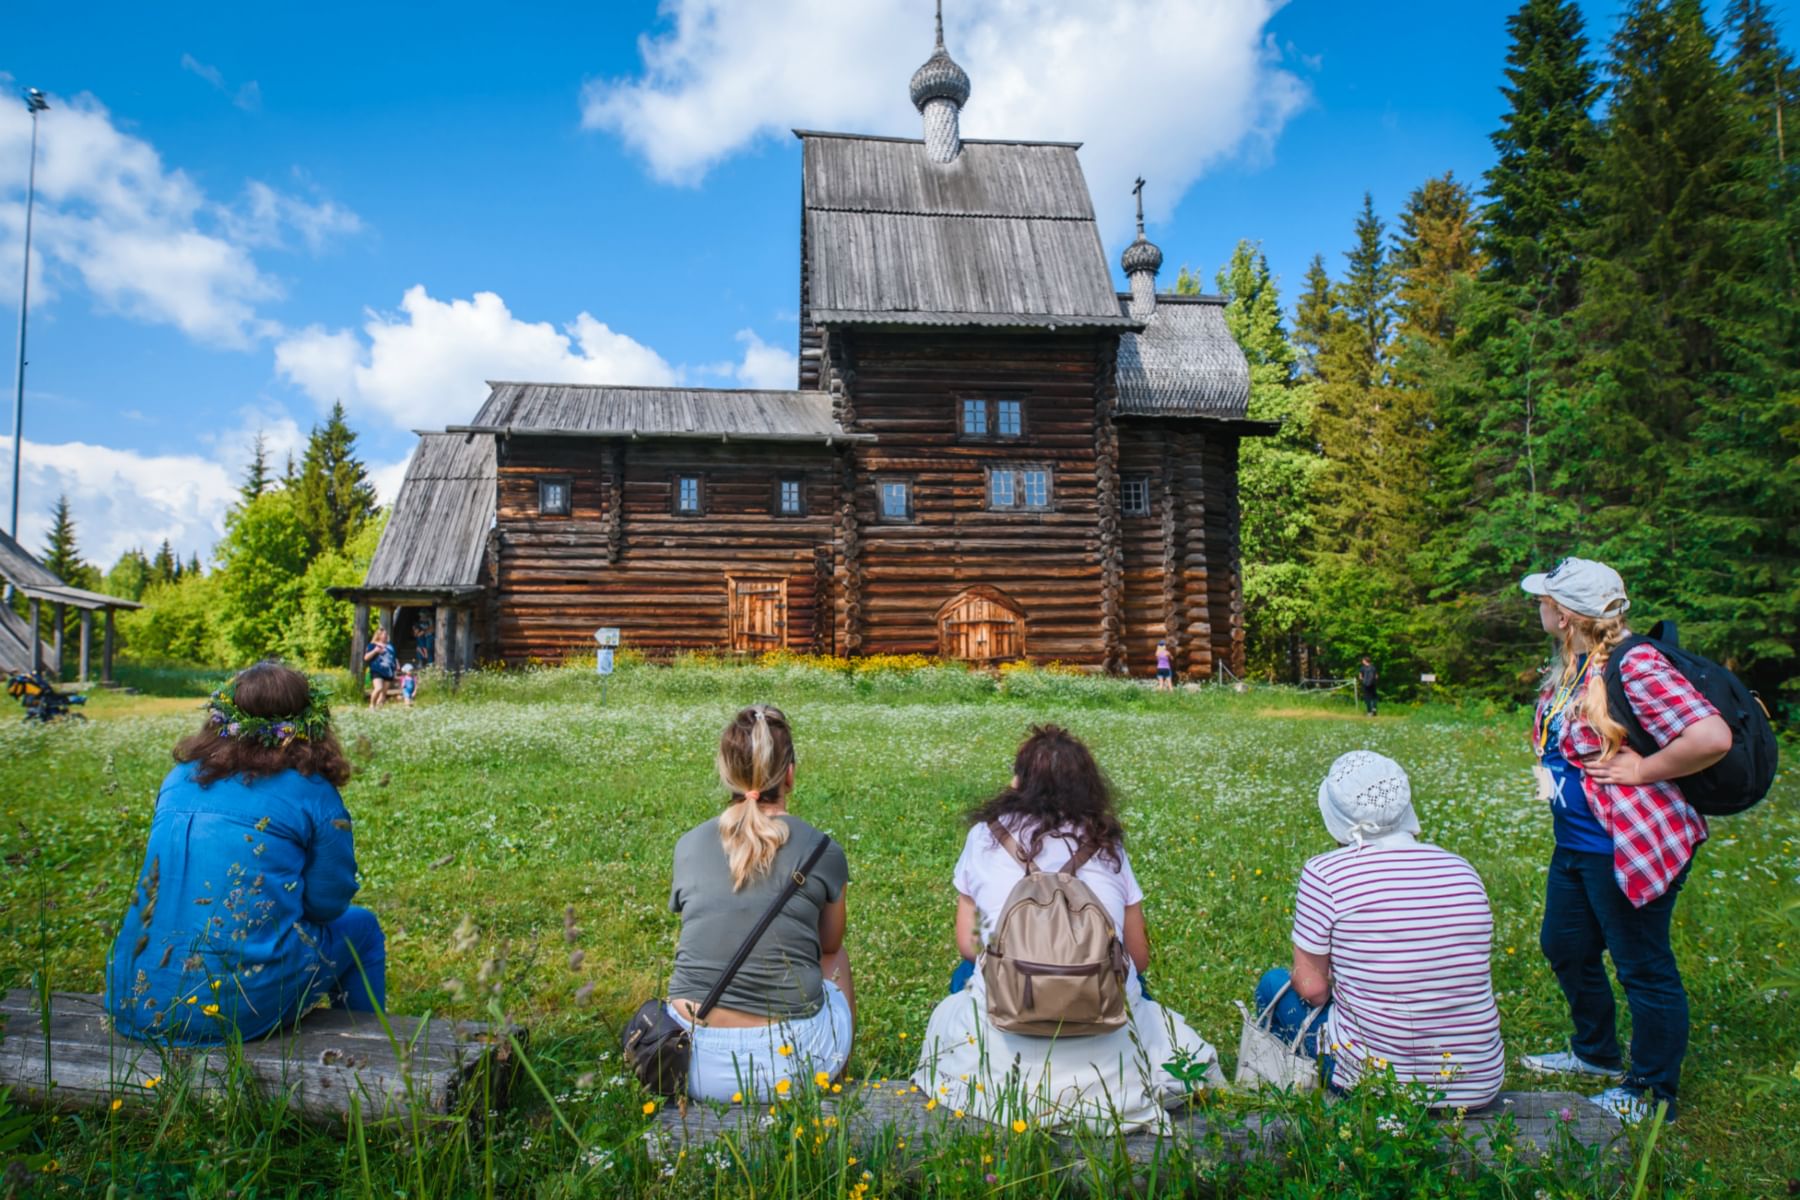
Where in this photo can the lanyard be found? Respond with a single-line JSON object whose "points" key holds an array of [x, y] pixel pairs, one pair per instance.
{"points": [[1559, 701]]}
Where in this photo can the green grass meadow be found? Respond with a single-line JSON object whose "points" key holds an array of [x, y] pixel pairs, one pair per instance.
{"points": [[522, 794]]}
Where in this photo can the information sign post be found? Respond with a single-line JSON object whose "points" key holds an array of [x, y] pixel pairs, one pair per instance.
{"points": [[607, 638]]}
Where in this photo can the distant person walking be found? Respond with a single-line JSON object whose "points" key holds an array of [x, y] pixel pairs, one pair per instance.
{"points": [[1625, 836], [383, 665], [409, 684], [1366, 679], [1165, 668]]}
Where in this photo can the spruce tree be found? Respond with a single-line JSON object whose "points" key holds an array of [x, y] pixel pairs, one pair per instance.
{"points": [[165, 567], [129, 577], [256, 475], [62, 558], [334, 493], [1313, 317]]}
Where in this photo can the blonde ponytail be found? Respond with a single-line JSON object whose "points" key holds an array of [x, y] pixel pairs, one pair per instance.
{"points": [[1602, 636], [755, 752]]}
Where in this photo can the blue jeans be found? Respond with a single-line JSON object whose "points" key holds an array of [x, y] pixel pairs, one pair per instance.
{"points": [[1585, 914], [965, 971], [340, 978], [1290, 1014]]}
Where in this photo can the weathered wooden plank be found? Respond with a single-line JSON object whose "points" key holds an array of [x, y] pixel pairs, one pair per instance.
{"points": [[331, 1058]]}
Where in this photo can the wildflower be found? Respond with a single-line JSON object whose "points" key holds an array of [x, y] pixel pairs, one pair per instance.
{"points": [[152, 1081], [1567, 1114], [931, 1104], [990, 1177], [193, 999], [215, 985], [52, 1167], [649, 1107], [784, 1051], [836, 1088], [1343, 1133], [737, 1097], [782, 1086], [117, 1104], [211, 1010], [958, 1114], [822, 1079], [1019, 1126]]}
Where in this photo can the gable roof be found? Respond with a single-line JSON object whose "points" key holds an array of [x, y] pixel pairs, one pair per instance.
{"points": [[436, 535], [601, 410], [1183, 363], [19, 567], [1003, 235]]}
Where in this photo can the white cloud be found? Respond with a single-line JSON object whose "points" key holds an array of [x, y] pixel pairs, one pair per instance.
{"points": [[765, 366], [424, 366], [141, 238], [387, 478], [121, 498], [248, 97], [1162, 88]]}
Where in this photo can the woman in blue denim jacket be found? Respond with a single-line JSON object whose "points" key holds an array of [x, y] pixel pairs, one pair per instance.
{"points": [[240, 919]]}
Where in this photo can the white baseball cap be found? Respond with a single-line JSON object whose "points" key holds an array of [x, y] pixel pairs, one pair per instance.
{"points": [[1364, 796], [1582, 586]]}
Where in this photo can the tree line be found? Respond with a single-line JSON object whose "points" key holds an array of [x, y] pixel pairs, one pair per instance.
{"points": [[1595, 354], [287, 539]]}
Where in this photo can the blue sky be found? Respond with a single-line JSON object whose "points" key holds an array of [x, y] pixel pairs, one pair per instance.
{"points": [[247, 212]]}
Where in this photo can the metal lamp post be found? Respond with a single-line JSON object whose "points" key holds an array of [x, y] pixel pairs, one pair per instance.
{"points": [[35, 102]]}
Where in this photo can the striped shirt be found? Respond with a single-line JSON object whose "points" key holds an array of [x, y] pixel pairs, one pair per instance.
{"points": [[1409, 932]]}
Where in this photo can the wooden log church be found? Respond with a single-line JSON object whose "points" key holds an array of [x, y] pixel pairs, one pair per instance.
{"points": [[991, 453]]}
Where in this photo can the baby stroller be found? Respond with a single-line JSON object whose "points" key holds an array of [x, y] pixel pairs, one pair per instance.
{"points": [[41, 699]]}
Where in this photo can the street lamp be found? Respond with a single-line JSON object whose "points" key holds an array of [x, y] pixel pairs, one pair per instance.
{"points": [[35, 103]]}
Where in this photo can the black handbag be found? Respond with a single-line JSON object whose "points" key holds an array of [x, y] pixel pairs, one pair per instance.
{"points": [[657, 1045]]}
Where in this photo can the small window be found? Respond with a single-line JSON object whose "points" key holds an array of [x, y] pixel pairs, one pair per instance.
{"points": [[1019, 489], [1011, 414], [983, 418], [1136, 498], [553, 497], [790, 498], [896, 500], [1001, 492], [688, 499], [974, 418]]}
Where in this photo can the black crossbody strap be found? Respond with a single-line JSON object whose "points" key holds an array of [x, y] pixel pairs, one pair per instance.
{"points": [[743, 952]]}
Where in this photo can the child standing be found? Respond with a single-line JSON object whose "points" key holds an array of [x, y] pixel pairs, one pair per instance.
{"points": [[409, 684], [1165, 668]]}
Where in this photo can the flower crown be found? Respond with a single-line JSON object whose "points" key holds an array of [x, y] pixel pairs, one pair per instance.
{"points": [[309, 725]]}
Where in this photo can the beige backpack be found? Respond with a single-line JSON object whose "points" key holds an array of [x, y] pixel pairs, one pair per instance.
{"points": [[1055, 965]]}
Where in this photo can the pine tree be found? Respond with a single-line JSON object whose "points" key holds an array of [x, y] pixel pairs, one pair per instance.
{"points": [[1313, 317], [62, 558], [256, 475], [129, 577], [334, 493], [165, 567], [193, 567]]}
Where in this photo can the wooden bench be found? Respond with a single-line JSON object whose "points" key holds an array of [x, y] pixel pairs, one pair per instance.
{"points": [[331, 1058], [876, 1108]]}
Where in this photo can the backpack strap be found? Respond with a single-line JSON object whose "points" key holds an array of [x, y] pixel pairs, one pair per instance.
{"points": [[1079, 859], [1012, 847], [1618, 704]]}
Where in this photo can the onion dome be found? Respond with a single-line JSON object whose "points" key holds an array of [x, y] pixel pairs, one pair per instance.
{"points": [[940, 78], [1143, 254]]}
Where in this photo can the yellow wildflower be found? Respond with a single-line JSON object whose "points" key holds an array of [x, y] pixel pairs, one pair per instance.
{"points": [[737, 1097], [931, 1104], [117, 1105], [822, 1079], [784, 1051], [958, 1114], [211, 1010], [649, 1107], [782, 1086], [153, 1081], [1018, 1126], [836, 1088]]}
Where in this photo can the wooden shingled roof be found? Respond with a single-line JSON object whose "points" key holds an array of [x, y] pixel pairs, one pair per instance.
{"points": [[1003, 235], [599, 410], [437, 533], [19, 567], [1183, 363]]}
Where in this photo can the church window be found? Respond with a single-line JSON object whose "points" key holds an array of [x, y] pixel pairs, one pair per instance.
{"points": [[688, 498], [553, 497], [1136, 497], [896, 499]]}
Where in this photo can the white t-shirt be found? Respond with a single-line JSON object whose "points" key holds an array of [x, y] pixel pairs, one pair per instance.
{"points": [[986, 873]]}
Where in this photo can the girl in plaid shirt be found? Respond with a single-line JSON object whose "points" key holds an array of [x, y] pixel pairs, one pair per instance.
{"points": [[1625, 837]]}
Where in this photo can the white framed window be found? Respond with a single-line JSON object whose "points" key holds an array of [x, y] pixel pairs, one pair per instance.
{"points": [[1135, 496], [553, 496], [1020, 489], [985, 419], [894, 499], [790, 497], [690, 496]]}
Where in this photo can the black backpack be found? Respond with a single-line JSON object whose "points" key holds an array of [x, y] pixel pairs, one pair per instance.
{"points": [[1744, 775]]}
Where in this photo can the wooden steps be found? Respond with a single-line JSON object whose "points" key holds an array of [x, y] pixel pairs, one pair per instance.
{"points": [[869, 1109], [332, 1057]]}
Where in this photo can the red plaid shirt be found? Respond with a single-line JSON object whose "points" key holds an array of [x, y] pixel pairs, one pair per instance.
{"points": [[1654, 830]]}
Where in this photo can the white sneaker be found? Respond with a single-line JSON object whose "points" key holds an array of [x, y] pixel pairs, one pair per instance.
{"points": [[1567, 1062], [1628, 1105]]}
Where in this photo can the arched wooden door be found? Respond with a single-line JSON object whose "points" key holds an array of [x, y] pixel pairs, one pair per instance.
{"points": [[758, 613], [982, 625]]}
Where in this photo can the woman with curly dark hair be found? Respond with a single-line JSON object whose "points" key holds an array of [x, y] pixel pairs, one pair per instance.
{"points": [[1054, 820], [240, 919]]}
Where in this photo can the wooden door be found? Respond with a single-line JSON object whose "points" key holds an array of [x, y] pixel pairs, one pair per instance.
{"points": [[980, 628], [758, 613]]}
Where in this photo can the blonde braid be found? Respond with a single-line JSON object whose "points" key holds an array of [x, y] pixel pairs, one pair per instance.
{"points": [[1602, 636]]}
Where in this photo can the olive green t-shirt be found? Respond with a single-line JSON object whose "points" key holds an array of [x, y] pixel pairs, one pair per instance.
{"points": [[781, 977]]}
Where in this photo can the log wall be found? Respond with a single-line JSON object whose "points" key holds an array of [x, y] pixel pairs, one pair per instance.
{"points": [[622, 558], [906, 389]]}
